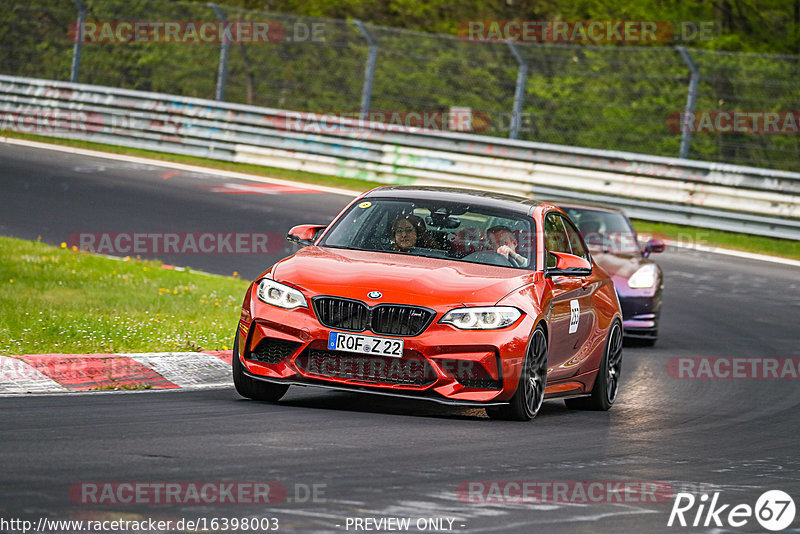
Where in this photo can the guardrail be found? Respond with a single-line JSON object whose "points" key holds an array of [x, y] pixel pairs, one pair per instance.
{"points": [[727, 197]]}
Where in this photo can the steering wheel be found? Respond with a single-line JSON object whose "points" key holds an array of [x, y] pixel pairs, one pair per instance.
{"points": [[514, 261], [487, 258]]}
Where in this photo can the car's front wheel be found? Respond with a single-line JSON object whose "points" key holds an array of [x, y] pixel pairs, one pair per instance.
{"points": [[253, 389], [606, 385], [525, 403]]}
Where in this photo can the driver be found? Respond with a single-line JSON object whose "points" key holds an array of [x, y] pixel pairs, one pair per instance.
{"points": [[502, 240], [409, 231]]}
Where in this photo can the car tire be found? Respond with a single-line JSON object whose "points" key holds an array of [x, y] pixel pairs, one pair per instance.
{"points": [[525, 403], [253, 389], [606, 385]]}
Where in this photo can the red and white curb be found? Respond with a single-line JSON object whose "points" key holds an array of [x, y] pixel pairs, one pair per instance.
{"points": [[62, 373]]}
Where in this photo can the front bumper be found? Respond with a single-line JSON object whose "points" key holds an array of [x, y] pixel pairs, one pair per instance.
{"points": [[442, 363], [640, 316]]}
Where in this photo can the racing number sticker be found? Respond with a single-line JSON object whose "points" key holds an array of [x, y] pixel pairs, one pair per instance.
{"points": [[574, 315], [364, 205]]}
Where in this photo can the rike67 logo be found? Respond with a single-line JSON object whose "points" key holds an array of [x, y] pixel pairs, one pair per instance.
{"points": [[774, 510]]}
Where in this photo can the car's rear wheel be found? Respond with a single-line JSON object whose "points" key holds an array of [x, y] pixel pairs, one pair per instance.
{"points": [[525, 403], [253, 389], [606, 385]]}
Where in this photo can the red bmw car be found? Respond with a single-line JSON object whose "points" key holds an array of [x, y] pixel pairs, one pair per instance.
{"points": [[454, 296]]}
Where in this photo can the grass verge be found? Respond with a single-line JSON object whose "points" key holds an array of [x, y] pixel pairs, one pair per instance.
{"points": [[688, 234], [56, 300]]}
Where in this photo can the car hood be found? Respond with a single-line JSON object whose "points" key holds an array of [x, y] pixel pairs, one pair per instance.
{"points": [[400, 278], [620, 264]]}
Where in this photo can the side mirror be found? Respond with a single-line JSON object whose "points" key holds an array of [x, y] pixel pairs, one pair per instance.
{"points": [[568, 265], [653, 246], [304, 234]]}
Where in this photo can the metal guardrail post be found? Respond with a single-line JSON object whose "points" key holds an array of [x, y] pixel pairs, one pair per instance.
{"points": [[519, 91], [369, 69], [76, 50], [691, 100], [224, 54]]}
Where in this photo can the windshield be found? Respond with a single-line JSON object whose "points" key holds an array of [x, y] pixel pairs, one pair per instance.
{"points": [[606, 231], [470, 233]]}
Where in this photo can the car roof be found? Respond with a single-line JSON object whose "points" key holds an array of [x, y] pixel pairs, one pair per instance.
{"points": [[586, 206], [453, 194]]}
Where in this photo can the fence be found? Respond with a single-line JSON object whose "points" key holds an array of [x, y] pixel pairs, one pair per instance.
{"points": [[726, 197], [604, 97]]}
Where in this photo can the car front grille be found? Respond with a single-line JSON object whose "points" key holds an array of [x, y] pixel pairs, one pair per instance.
{"points": [[342, 313], [412, 369], [385, 319], [271, 350]]}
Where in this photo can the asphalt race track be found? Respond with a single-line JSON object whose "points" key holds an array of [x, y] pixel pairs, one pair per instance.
{"points": [[376, 458]]}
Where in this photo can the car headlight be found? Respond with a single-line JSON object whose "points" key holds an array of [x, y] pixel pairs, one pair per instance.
{"points": [[272, 292], [645, 276], [488, 318]]}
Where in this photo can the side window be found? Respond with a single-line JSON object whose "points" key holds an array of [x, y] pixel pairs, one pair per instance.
{"points": [[575, 241], [555, 237]]}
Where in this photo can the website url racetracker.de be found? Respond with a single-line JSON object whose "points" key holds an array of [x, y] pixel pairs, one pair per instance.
{"points": [[46, 525]]}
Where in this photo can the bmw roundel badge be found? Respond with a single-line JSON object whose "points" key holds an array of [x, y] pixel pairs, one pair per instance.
{"points": [[374, 294]]}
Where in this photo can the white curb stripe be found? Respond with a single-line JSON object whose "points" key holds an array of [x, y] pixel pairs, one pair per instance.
{"points": [[186, 368], [16, 376]]}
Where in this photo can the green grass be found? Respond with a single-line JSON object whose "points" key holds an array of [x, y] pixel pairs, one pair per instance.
{"points": [[56, 300], [688, 234]]}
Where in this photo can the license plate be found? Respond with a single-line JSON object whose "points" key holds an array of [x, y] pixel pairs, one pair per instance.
{"points": [[382, 346]]}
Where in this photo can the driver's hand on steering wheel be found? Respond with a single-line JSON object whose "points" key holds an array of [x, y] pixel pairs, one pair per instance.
{"points": [[508, 253], [505, 250]]}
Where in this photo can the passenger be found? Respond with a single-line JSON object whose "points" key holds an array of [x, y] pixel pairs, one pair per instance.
{"points": [[409, 231], [502, 240]]}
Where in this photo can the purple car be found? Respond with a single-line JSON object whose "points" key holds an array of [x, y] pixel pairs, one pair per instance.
{"points": [[615, 246]]}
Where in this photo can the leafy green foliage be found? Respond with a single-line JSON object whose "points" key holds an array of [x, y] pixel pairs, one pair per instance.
{"points": [[612, 96]]}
